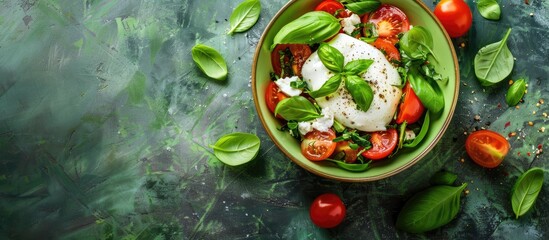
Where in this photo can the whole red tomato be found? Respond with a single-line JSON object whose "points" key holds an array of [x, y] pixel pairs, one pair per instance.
{"points": [[455, 16], [327, 210]]}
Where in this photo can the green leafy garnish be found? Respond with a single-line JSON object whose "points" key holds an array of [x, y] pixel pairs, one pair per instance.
{"points": [[209, 61], [297, 108], [494, 62], [236, 148], [526, 191], [311, 27], [244, 16], [489, 9], [515, 92]]}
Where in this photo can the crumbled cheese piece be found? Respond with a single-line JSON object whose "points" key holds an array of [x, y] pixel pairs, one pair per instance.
{"points": [[304, 127], [322, 124], [349, 23], [284, 85], [409, 135]]}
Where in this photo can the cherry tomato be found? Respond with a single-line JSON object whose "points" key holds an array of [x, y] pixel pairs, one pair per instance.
{"points": [[411, 109], [300, 53], [318, 145], [391, 52], [350, 154], [273, 95], [455, 16], [327, 210], [389, 21], [383, 144], [486, 148], [332, 6]]}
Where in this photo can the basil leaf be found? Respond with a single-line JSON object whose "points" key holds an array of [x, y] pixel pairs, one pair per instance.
{"points": [[494, 62], [312, 27], [360, 90], [236, 148], [244, 16], [357, 67], [428, 92], [430, 209], [209, 61], [526, 190], [489, 9], [363, 6], [328, 87], [443, 178], [515, 92], [417, 42], [352, 167], [422, 132], [297, 108], [331, 57]]}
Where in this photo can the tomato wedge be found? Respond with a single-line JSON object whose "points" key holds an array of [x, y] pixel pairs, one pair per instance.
{"points": [[273, 96], [332, 6], [411, 109], [299, 52], [486, 148], [389, 21], [318, 145], [383, 144], [391, 52]]}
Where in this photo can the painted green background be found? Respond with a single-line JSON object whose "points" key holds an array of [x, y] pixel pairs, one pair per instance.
{"points": [[105, 123]]}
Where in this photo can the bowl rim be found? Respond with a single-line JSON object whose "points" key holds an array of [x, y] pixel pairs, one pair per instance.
{"points": [[405, 166]]}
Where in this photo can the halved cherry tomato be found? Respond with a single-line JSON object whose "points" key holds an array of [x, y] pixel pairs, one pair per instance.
{"points": [[273, 95], [486, 148], [300, 53], [383, 144], [318, 145], [411, 109], [391, 52], [389, 21], [327, 210], [350, 154], [332, 6], [455, 16]]}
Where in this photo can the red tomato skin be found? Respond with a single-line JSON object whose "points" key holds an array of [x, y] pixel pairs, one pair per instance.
{"points": [[455, 16], [300, 53], [383, 144], [486, 148], [317, 145], [391, 52], [273, 96], [327, 210], [411, 109], [331, 7]]}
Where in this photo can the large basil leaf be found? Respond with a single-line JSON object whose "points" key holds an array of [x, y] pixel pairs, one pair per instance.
{"points": [[430, 209], [489, 9], [494, 62], [360, 90], [331, 57], [526, 190], [515, 92], [312, 27], [357, 67], [362, 6], [209, 61], [244, 16], [428, 92], [236, 148], [417, 43], [297, 108], [328, 87], [422, 132]]}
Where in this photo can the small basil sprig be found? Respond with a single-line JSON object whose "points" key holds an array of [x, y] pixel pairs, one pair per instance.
{"points": [[244, 16], [331, 58], [428, 92], [361, 6], [311, 27], [489, 9], [526, 190], [417, 43], [328, 87], [352, 135], [236, 148], [209, 61], [515, 92], [494, 62], [360, 90], [429, 209], [297, 108], [422, 133]]}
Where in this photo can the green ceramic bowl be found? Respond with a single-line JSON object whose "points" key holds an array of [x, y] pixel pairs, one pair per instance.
{"points": [[419, 15]]}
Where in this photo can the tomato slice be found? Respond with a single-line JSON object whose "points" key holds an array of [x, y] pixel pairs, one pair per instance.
{"points": [[273, 95], [411, 109], [300, 53], [327, 210], [350, 154], [318, 145], [332, 6], [391, 52], [389, 20], [383, 144], [486, 148]]}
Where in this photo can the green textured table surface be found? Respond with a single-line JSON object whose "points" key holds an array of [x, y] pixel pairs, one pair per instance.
{"points": [[105, 123]]}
